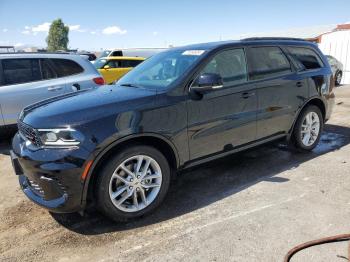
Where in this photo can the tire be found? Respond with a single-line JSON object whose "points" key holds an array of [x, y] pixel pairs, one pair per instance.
{"points": [[110, 183], [300, 131], [338, 77]]}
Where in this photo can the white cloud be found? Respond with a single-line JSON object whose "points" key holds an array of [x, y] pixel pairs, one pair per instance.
{"points": [[93, 32], [110, 30], [41, 28], [74, 27], [155, 33], [34, 30], [4, 30], [18, 45]]}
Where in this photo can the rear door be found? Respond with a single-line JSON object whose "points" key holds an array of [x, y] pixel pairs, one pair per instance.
{"points": [[280, 90], [224, 118], [24, 83]]}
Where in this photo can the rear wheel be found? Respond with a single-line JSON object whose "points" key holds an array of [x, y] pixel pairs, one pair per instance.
{"points": [[308, 128], [133, 183], [338, 77]]}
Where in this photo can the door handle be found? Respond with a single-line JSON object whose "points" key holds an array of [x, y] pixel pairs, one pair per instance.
{"points": [[299, 84], [76, 87], [54, 88], [246, 95]]}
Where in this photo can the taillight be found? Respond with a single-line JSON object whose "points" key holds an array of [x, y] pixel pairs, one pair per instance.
{"points": [[99, 80]]}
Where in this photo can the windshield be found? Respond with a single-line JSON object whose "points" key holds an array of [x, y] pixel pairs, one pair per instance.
{"points": [[105, 53], [161, 70], [99, 63]]}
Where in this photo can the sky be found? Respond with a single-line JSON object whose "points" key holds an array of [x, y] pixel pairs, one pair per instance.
{"points": [[97, 25]]}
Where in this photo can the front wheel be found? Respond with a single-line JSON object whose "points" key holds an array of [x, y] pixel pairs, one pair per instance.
{"points": [[308, 128], [133, 183]]}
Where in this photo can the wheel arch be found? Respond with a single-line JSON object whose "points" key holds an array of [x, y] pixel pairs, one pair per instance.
{"points": [[339, 71], [157, 141], [312, 101]]}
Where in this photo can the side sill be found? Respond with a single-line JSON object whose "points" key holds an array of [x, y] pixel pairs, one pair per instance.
{"points": [[235, 150]]}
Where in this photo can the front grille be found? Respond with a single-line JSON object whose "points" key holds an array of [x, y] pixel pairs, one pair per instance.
{"points": [[29, 133], [35, 187]]}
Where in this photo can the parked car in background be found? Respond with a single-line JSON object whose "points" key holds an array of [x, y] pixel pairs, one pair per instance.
{"points": [[337, 69], [90, 56], [140, 52], [117, 148], [112, 68], [27, 78]]}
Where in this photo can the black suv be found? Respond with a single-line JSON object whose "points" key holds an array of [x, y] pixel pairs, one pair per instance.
{"points": [[117, 146]]}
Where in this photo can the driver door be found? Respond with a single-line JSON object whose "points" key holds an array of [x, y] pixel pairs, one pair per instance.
{"points": [[224, 118], [112, 71]]}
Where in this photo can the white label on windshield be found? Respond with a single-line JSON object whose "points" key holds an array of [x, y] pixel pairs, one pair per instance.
{"points": [[193, 52]]}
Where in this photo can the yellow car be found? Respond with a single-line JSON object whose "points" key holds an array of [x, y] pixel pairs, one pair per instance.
{"points": [[114, 67]]}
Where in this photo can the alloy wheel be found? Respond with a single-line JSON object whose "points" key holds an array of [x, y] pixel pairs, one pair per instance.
{"points": [[338, 78], [310, 129], [135, 183]]}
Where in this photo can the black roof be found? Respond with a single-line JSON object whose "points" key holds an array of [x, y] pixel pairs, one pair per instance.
{"points": [[272, 39], [251, 40]]}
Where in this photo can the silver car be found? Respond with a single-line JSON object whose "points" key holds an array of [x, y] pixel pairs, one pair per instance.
{"points": [[29, 78], [337, 69]]}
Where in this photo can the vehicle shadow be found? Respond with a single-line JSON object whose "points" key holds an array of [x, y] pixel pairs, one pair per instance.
{"points": [[206, 184]]}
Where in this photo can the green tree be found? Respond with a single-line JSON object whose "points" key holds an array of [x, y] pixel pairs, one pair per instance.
{"points": [[58, 36]]}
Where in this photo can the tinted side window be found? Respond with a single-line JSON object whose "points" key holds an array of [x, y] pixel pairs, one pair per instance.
{"points": [[130, 63], [117, 53], [267, 62], [16, 71], [113, 64], [231, 65], [306, 58], [65, 67], [47, 69]]}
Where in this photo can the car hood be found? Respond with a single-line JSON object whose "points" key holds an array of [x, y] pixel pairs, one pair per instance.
{"points": [[75, 108]]}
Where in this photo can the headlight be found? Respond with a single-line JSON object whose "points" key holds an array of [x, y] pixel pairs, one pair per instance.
{"points": [[60, 137]]}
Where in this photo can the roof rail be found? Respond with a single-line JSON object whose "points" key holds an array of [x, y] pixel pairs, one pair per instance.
{"points": [[272, 38], [40, 53]]}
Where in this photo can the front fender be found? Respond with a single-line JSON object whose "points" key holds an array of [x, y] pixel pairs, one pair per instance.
{"points": [[111, 143]]}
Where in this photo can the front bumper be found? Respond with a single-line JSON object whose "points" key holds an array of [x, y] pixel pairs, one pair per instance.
{"points": [[50, 177]]}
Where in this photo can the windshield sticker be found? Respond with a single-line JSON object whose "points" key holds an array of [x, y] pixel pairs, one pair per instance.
{"points": [[193, 52]]}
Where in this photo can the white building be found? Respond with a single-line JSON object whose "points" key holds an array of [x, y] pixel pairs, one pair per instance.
{"points": [[337, 44]]}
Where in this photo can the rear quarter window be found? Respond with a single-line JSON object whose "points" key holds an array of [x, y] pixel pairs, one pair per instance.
{"points": [[306, 58], [66, 67], [265, 62]]}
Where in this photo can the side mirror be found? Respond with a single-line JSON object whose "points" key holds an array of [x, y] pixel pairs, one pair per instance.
{"points": [[106, 67], [207, 82]]}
